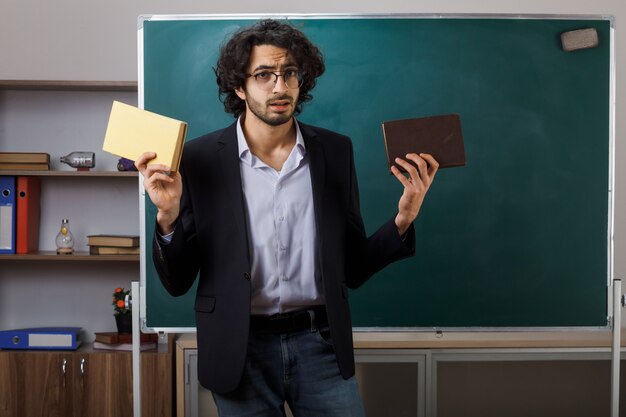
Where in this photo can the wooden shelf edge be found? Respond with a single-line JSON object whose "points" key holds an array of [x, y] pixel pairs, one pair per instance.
{"points": [[90, 174], [68, 85], [77, 256], [465, 340]]}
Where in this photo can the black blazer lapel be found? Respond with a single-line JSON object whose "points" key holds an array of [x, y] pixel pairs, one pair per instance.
{"points": [[228, 156], [317, 167]]}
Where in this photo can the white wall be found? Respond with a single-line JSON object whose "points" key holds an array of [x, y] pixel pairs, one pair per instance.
{"points": [[83, 40]]}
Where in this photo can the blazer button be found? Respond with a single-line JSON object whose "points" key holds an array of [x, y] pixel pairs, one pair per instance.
{"points": [[246, 276]]}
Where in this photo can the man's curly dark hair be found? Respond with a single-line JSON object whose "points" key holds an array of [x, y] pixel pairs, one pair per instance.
{"points": [[232, 64]]}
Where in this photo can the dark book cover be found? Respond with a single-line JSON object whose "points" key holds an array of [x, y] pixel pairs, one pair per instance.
{"points": [[115, 337], [440, 136]]}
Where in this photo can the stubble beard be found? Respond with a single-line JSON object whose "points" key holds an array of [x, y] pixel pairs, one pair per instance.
{"points": [[273, 120]]}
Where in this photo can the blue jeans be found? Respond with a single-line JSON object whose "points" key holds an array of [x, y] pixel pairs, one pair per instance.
{"points": [[298, 368]]}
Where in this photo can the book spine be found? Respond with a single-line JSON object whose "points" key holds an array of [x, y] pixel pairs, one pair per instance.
{"points": [[7, 215], [28, 213]]}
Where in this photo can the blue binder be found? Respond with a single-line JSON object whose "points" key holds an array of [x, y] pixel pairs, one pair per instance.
{"points": [[43, 338], [7, 214]]}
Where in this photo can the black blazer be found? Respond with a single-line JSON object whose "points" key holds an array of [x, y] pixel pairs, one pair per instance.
{"points": [[211, 238]]}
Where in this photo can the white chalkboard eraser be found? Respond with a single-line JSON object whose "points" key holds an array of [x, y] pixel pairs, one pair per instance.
{"points": [[579, 39]]}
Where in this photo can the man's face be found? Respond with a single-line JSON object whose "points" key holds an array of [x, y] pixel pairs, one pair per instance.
{"points": [[271, 102]]}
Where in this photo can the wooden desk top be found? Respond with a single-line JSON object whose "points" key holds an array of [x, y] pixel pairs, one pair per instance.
{"points": [[469, 339], [495, 339]]}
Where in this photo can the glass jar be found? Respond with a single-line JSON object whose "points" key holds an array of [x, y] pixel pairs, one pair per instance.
{"points": [[65, 239]]}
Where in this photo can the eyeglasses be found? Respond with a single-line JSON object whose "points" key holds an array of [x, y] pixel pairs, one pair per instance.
{"points": [[265, 81]]}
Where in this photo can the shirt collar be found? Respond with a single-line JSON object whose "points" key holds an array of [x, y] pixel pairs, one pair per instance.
{"points": [[244, 150]]}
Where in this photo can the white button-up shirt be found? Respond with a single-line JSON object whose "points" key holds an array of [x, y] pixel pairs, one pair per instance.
{"points": [[281, 227]]}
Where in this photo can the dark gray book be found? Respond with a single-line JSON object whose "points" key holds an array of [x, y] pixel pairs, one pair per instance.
{"points": [[440, 136]]}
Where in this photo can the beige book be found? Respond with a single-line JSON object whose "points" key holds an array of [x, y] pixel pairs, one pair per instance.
{"points": [[25, 157], [23, 166], [113, 250], [132, 131], [120, 241]]}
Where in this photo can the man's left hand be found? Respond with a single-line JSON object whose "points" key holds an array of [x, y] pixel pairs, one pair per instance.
{"points": [[416, 186]]}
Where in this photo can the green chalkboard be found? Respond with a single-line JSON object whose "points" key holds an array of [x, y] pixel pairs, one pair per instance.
{"points": [[517, 238]]}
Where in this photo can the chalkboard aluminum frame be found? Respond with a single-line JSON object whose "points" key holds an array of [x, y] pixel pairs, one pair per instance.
{"points": [[290, 16]]}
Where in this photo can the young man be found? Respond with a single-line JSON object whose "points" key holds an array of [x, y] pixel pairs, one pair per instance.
{"points": [[267, 211]]}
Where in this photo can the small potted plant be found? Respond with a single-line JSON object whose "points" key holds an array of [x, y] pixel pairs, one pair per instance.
{"points": [[122, 310]]}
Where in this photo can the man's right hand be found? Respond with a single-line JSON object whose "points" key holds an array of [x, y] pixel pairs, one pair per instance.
{"points": [[164, 188]]}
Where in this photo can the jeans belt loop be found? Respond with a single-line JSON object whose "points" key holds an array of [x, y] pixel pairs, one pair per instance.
{"points": [[313, 323]]}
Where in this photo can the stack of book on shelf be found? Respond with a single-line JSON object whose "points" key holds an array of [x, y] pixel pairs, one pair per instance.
{"points": [[27, 161], [113, 244], [19, 214], [124, 341]]}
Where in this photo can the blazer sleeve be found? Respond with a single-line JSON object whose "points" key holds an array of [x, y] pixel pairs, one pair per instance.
{"points": [[177, 263], [368, 255]]}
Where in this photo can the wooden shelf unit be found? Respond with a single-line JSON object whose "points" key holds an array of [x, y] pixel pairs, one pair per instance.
{"points": [[85, 382], [68, 85]]}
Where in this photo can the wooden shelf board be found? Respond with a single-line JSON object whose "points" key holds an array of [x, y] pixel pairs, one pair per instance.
{"points": [[90, 174], [51, 256], [68, 85]]}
